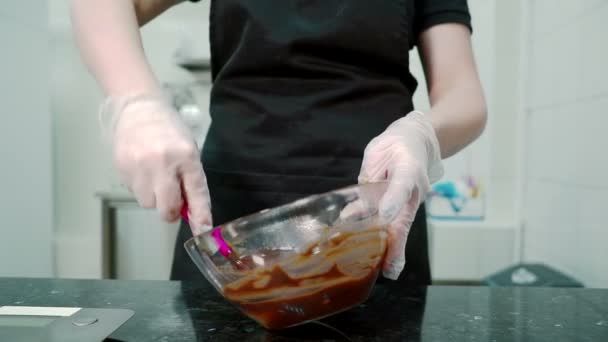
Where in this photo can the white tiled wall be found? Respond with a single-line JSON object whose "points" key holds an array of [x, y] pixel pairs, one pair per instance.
{"points": [[566, 197], [26, 209]]}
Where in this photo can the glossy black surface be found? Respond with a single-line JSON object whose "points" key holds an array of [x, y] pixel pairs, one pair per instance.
{"points": [[173, 311]]}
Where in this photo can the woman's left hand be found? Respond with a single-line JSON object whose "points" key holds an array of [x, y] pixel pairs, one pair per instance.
{"points": [[407, 155]]}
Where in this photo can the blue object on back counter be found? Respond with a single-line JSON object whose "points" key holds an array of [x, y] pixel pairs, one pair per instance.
{"points": [[449, 191], [456, 200], [446, 189]]}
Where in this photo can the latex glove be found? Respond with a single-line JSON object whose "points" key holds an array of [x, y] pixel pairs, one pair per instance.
{"points": [[406, 154], [157, 158]]}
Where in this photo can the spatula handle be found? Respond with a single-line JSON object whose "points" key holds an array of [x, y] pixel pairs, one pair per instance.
{"points": [[223, 247]]}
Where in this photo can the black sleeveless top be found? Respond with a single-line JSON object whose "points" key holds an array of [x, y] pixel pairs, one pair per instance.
{"points": [[301, 86]]}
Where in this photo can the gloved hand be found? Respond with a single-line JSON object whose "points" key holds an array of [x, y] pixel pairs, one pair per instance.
{"points": [[406, 154], [157, 158], [154, 151]]}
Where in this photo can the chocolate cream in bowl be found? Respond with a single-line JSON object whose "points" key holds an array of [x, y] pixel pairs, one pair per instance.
{"points": [[328, 277]]}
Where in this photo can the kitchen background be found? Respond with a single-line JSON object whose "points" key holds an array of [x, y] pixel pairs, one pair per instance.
{"points": [[541, 161]]}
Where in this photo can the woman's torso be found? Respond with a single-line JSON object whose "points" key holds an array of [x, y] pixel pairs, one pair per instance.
{"points": [[300, 87]]}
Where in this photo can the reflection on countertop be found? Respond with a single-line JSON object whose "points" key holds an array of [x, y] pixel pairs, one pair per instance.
{"points": [[176, 311]]}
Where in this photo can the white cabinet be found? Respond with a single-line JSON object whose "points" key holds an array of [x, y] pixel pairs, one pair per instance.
{"points": [[135, 243], [143, 244], [470, 251]]}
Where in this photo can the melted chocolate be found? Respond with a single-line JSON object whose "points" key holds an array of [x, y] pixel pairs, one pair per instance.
{"points": [[326, 278]]}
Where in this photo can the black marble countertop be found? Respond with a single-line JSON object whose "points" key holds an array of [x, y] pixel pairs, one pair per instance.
{"points": [[174, 311]]}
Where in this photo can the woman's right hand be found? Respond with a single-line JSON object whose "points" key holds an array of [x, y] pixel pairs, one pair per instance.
{"points": [[158, 160], [154, 151]]}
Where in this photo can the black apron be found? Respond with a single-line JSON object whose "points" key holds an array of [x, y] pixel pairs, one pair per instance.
{"points": [[300, 87]]}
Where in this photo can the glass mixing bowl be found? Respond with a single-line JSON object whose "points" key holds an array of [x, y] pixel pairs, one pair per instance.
{"points": [[299, 262]]}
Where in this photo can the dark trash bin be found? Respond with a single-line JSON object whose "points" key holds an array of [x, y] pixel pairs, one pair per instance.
{"points": [[534, 275]]}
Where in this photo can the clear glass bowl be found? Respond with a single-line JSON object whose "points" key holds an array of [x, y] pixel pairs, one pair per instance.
{"points": [[298, 262]]}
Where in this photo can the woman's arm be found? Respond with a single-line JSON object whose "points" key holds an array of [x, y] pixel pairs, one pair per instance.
{"points": [[458, 108], [408, 153], [154, 151], [107, 32]]}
